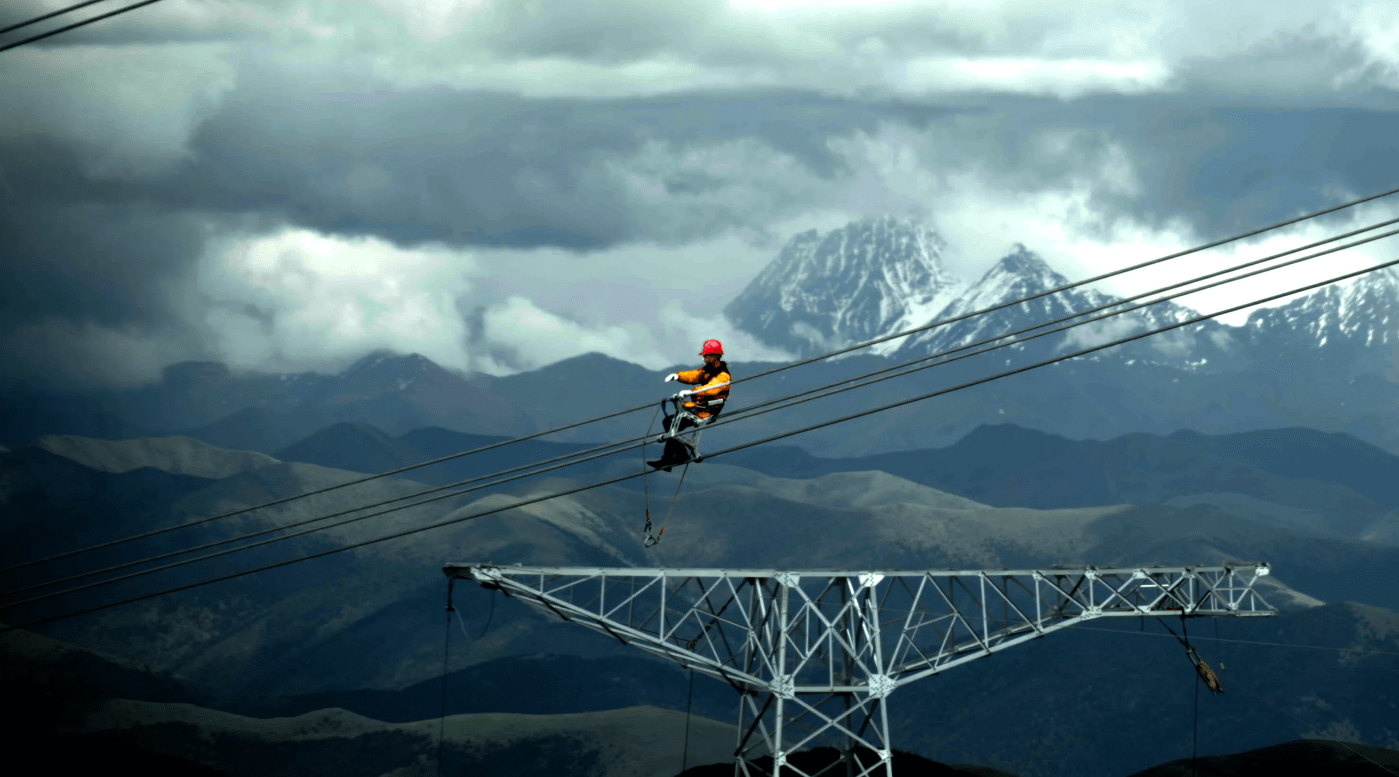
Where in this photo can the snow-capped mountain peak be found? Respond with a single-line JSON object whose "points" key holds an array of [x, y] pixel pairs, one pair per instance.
{"points": [[1363, 313], [1004, 292], [1018, 275], [1024, 264], [867, 279]]}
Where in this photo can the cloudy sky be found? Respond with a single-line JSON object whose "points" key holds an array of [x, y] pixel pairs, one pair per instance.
{"points": [[288, 184]]}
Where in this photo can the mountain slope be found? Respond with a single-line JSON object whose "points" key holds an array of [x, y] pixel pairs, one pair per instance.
{"points": [[1312, 481], [1353, 326], [365, 617], [30, 412], [1307, 756], [634, 742], [51, 504], [355, 447], [176, 455], [1022, 274], [1317, 672]]}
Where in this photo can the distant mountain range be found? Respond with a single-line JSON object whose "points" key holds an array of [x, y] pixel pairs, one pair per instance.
{"points": [[882, 275], [1328, 360]]}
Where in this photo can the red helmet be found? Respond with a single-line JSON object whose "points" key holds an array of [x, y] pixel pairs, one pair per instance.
{"points": [[712, 346]]}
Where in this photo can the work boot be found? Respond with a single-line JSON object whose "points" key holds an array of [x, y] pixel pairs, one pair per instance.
{"points": [[667, 461]]}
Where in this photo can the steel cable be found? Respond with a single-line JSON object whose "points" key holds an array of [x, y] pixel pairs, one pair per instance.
{"points": [[73, 26], [732, 449], [781, 403], [50, 15], [765, 373]]}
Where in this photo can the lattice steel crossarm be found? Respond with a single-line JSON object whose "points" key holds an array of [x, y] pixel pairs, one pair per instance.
{"points": [[800, 639]]}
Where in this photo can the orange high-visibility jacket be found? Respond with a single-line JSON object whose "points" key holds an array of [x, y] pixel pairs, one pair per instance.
{"points": [[706, 402]]}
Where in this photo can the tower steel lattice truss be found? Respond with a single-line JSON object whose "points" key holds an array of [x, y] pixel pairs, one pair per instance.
{"points": [[815, 654]]}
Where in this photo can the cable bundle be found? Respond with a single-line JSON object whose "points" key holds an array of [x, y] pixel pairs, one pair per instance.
{"points": [[435, 494]]}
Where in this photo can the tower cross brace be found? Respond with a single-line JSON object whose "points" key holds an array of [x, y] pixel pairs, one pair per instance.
{"points": [[815, 654]]}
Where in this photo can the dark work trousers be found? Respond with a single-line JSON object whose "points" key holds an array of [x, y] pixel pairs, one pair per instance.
{"points": [[674, 450]]}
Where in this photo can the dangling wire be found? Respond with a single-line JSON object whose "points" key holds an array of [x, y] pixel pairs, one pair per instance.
{"points": [[1207, 675], [461, 624], [645, 475], [689, 703], [490, 617], [651, 541], [1195, 724], [446, 652]]}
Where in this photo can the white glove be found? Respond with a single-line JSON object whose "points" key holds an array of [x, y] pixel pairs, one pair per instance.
{"points": [[684, 393], [672, 376]]}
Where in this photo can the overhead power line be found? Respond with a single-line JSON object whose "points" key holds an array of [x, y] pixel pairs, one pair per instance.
{"points": [[733, 449], [1115, 308], [48, 16], [73, 26], [765, 373]]}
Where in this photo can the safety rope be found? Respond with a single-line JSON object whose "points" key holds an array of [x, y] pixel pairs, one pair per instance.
{"points": [[689, 703], [1195, 732], [652, 541], [645, 475], [446, 653], [1206, 677]]}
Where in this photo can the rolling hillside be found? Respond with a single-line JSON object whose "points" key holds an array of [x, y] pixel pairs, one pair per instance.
{"points": [[368, 622]]}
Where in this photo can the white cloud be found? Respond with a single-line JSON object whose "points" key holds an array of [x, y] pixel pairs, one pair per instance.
{"points": [[1099, 332], [684, 333], [628, 48], [290, 300], [645, 303], [519, 335], [535, 337], [295, 299], [1062, 78], [1148, 246]]}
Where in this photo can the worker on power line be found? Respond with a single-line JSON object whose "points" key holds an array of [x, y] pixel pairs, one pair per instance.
{"points": [[701, 404]]}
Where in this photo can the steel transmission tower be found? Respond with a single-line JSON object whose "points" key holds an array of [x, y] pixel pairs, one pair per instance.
{"points": [[815, 654]]}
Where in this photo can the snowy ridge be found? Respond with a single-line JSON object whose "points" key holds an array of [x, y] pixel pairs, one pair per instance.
{"points": [[1363, 313], [1022, 274], [870, 278], [1014, 277], [880, 276]]}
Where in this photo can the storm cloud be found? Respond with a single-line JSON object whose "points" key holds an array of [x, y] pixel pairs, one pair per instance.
{"points": [[499, 185]]}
